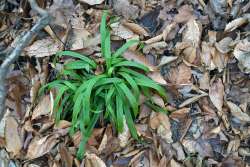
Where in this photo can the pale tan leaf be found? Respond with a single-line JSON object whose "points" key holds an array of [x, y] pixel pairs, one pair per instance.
{"points": [[180, 75], [157, 46], [125, 135], [185, 13], [66, 157], [223, 45], [93, 160], [242, 54], [204, 81], [237, 112], [157, 77], [139, 58], [235, 24], [121, 31], [192, 33], [167, 59], [42, 48], [160, 121], [135, 28], [43, 108], [39, 147], [158, 100], [12, 137], [216, 93], [92, 2], [192, 100], [174, 163], [154, 39], [167, 30]]}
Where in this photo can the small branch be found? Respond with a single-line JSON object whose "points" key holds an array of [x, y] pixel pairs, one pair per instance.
{"points": [[21, 44]]}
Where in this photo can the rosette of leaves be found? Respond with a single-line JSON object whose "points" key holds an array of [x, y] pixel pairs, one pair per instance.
{"points": [[82, 96]]}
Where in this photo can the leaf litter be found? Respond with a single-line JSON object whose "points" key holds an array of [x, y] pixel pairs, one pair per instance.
{"points": [[197, 50]]}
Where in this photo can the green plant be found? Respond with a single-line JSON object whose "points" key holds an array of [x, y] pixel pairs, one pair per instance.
{"points": [[114, 94]]}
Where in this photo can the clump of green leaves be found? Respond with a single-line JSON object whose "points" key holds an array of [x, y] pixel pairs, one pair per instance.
{"points": [[83, 96]]}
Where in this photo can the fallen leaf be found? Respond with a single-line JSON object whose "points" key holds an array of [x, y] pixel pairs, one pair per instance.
{"points": [[167, 30], [180, 75], [157, 77], [192, 33], [42, 48], [216, 94], [39, 147], [223, 45], [192, 100], [242, 54], [157, 46], [43, 108], [185, 13], [92, 160], [235, 24], [121, 31], [158, 100], [167, 59], [204, 81], [173, 163], [12, 137], [124, 8], [125, 135], [92, 2], [160, 121], [66, 157], [139, 58], [136, 28], [237, 112]]}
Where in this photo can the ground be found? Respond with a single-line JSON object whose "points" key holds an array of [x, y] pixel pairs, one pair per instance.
{"points": [[198, 50]]}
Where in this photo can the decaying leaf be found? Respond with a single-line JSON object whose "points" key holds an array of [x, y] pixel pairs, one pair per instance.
{"points": [[123, 7], [192, 33], [92, 2], [160, 121], [180, 75], [185, 13], [216, 94], [43, 108], [157, 77], [167, 59], [242, 54], [121, 31], [125, 135], [93, 160], [237, 112], [136, 28], [39, 147], [12, 136], [235, 24], [42, 48], [139, 58]]}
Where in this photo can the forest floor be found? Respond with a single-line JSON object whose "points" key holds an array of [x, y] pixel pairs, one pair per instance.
{"points": [[198, 50]]}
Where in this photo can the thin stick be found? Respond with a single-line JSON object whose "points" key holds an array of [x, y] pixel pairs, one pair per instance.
{"points": [[21, 44]]}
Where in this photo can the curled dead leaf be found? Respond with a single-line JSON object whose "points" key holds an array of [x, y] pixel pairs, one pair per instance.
{"points": [[157, 77], [216, 94], [136, 28], [43, 108], [192, 33], [235, 24], [12, 137], [237, 112], [92, 160], [92, 2]]}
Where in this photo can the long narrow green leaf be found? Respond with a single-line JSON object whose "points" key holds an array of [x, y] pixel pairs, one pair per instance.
{"points": [[75, 65], [132, 83], [130, 122], [119, 113], [130, 97], [124, 47], [77, 55], [132, 64], [103, 31]]}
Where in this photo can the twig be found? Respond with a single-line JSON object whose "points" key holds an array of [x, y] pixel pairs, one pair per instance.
{"points": [[21, 44]]}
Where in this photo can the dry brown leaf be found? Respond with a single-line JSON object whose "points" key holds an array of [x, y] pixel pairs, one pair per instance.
{"points": [[157, 46], [173, 163], [157, 77], [154, 39], [125, 135], [180, 75], [167, 30], [136, 28], [237, 112], [39, 147], [185, 13], [12, 137], [80, 38], [92, 2], [43, 108], [66, 157], [192, 100], [124, 8], [139, 58], [42, 48], [206, 55], [223, 45], [121, 31], [235, 24], [92, 160], [192, 33], [160, 121], [216, 94], [179, 114], [158, 100], [167, 59], [242, 54], [204, 81]]}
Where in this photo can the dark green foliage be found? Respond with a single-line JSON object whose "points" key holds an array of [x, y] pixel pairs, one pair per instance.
{"points": [[114, 94]]}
